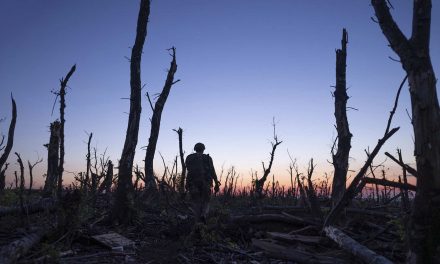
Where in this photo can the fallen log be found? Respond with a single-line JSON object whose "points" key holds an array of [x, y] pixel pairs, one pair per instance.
{"points": [[353, 210], [46, 204], [12, 252], [263, 218], [311, 240], [306, 221], [287, 253], [384, 182], [355, 248]]}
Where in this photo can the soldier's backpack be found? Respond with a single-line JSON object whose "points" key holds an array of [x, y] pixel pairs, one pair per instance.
{"points": [[198, 167]]}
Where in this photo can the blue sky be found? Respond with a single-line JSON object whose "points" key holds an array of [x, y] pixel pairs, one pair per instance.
{"points": [[241, 63]]}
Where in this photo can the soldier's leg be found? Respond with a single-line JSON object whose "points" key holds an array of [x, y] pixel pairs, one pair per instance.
{"points": [[196, 202], [206, 195]]}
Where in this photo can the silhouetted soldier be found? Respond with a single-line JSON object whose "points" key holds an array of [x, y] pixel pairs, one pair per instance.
{"points": [[201, 173]]}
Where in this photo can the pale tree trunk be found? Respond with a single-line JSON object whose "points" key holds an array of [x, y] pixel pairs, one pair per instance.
{"points": [[150, 182], [123, 208], [340, 159], [9, 144], [415, 57]]}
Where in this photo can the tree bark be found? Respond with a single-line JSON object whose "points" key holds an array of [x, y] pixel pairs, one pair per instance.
{"points": [[340, 159], [123, 208], [350, 245], [415, 57], [52, 160], [9, 144], [62, 94], [150, 181], [12, 252]]}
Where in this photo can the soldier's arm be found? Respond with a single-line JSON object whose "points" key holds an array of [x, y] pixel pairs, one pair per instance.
{"points": [[214, 175]]}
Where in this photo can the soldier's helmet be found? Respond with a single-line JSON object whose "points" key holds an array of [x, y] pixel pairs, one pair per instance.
{"points": [[199, 147]]}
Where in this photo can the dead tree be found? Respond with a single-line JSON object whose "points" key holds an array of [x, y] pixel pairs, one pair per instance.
{"points": [[31, 177], [357, 184], [416, 61], [311, 194], [150, 182], [107, 183], [123, 207], [340, 159], [182, 161], [88, 163], [53, 149], [259, 183], [10, 142], [21, 192], [62, 94]]}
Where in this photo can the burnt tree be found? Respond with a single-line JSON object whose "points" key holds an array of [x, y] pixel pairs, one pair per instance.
{"points": [[31, 176], [62, 94], [86, 184], [9, 144], [259, 183], [357, 183], [123, 207], [340, 158], [150, 182], [53, 156], [181, 183], [415, 58]]}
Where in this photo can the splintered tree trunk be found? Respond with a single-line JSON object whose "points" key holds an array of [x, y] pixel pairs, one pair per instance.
{"points": [[150, 182], [340, 159], [107, 183], [62, 94], [415, 57], [86, 184], [182, 161], [4, 156], [52, 160], [123, 208]]}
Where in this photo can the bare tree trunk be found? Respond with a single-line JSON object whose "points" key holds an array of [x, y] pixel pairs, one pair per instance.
{"points": [[340, 159], [123, 208], [150, 182], [415, 57], [31, 177], [182, 162], [357, 184], [107, 183], [88, 163], [4, 156], [62, 94], [21, 192], [52, 160], [259, 183], [315, 208]]}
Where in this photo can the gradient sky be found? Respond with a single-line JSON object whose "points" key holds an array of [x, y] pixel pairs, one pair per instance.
{"points": [[241, 63]]}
